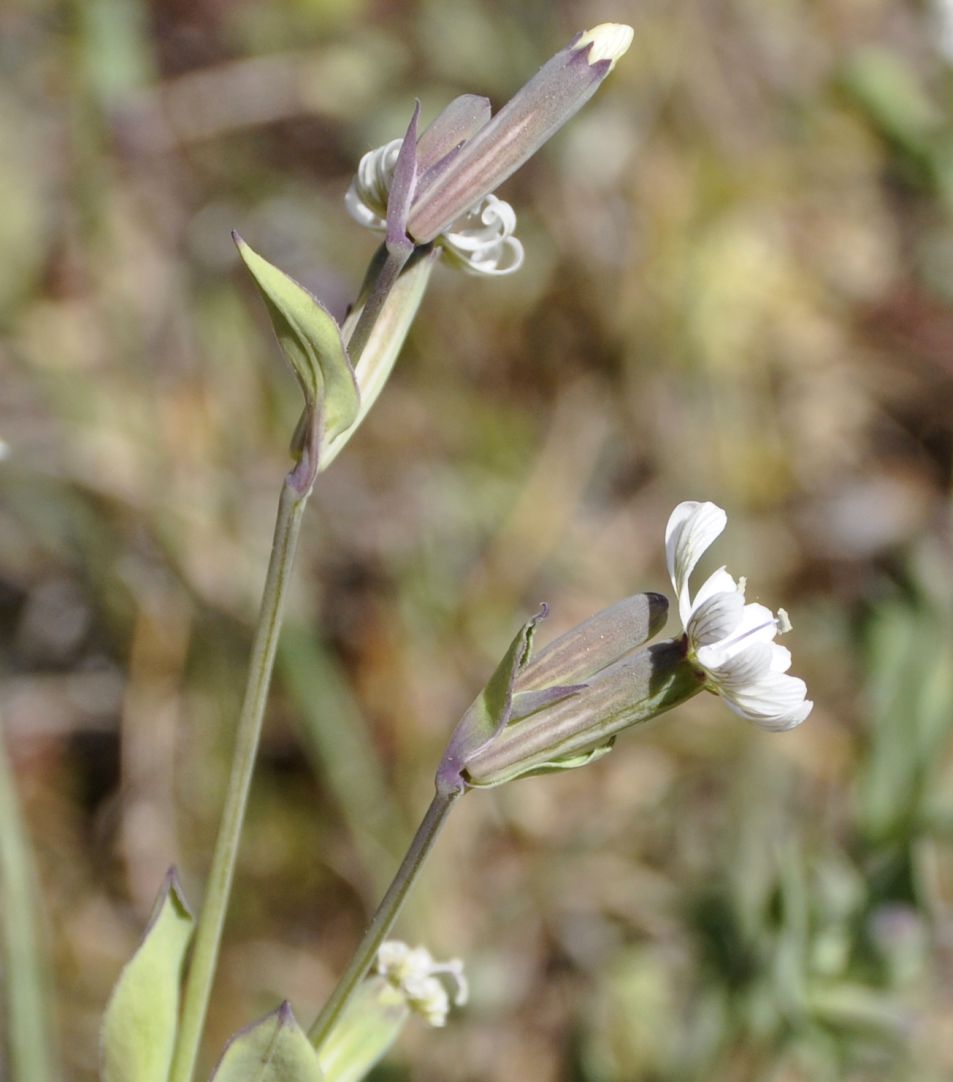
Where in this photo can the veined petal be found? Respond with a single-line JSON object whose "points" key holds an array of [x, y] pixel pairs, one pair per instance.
{"points": [[757, 622], [715, 619], [717, 583], [745, 668], [788, 720], [771, 710], [691, 529], [731, 644]]}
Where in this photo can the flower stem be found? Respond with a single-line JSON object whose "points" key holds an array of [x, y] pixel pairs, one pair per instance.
{"points": [[198, 985], [385, 916], [393, 264]]}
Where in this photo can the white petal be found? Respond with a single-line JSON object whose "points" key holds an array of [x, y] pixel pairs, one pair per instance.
{"points": [[775, 701], [691, 529], [482, 241], [757, 623], [740, 672], [731, 642], [360, 211], [366, 199], [718, 583], [780, 658], [715, 618]]}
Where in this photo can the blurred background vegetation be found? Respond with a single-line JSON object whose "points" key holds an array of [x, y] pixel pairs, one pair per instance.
{"points": [[738, 288]]}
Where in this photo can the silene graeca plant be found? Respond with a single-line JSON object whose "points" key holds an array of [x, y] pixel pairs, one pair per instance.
{"points": [[431, 193]]}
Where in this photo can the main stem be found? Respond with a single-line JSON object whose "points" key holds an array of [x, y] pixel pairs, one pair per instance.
{"points": [[385, 916], [209, 932]]}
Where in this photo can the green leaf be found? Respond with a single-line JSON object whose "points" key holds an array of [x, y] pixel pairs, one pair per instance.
{"points": [[139, 1028], [311, 341], [367, 1029], [275, 1049]]}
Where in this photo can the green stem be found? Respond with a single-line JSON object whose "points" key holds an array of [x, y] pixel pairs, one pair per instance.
{"points": [[209, 932], [28, 1020], [393, 264], [385, 916]]}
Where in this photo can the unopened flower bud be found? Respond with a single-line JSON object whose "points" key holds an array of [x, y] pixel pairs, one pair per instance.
{"points": [[497, 149]]}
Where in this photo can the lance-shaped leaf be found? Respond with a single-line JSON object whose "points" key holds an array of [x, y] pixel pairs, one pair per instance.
{"points": [[274, 1049], [312, 342], [139, 1028], [370, 1025]]}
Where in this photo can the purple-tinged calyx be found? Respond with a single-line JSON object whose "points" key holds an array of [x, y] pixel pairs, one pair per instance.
{"points": [[565, 707], [500, 146]]}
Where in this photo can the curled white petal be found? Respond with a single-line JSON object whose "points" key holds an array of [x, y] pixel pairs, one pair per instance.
{"points": [[366, 199], [730, 642], [480, 242]]}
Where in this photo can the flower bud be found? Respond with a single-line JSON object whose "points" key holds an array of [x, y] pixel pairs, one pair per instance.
{"points": [[478, 165]]}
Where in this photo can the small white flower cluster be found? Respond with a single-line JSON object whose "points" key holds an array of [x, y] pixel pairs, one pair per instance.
{"points": [[415, 974], [480, 241], [730, 642]]}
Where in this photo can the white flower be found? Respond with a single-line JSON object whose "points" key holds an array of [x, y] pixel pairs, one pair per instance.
{"points": [[730, 642], [414, 973], [480, 241]]}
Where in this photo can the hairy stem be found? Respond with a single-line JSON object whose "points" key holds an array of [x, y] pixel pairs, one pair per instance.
{"points": [[385, 916], [208, 936]]}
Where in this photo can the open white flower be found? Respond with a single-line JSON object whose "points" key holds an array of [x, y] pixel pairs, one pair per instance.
{"points": [[730, 642], [413, 972], [480, 241]]}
